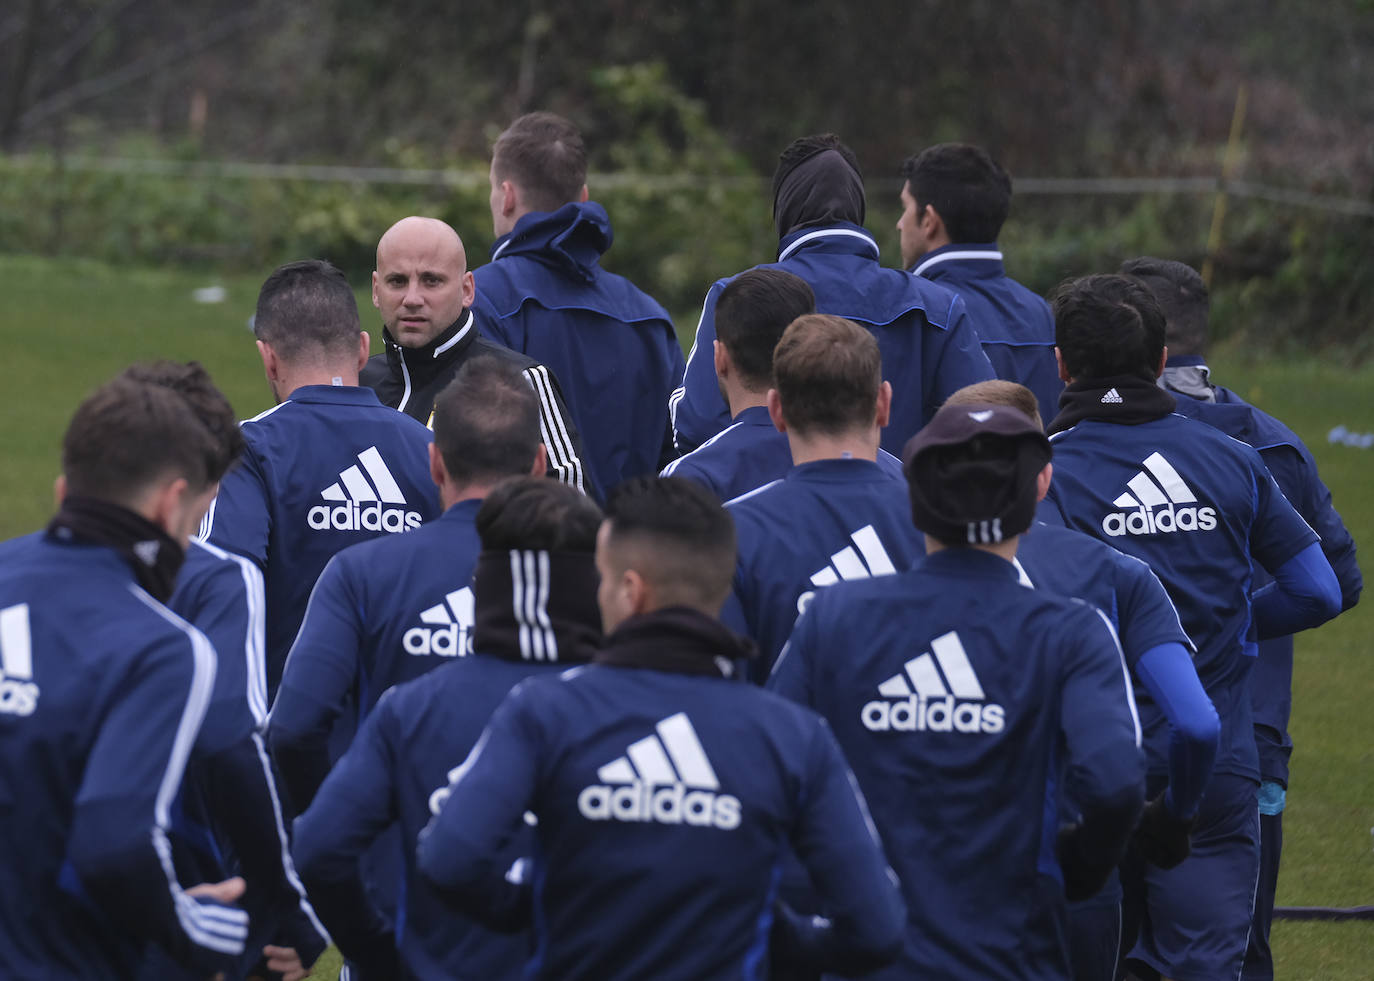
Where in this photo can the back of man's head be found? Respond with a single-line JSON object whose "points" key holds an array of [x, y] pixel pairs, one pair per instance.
{"points": [[996, 391], [675, 536], [752, 313], [1182, 295], [193, 383], [538, 514], [129, 436], [817, 182], [307, 312], [486, 422], [542, 154], [828, 372], [1107, 326], [972, 472], [967, 188]]}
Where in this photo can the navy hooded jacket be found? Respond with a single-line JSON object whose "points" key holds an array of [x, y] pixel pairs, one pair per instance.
{"points": [[611, 345], [929, 347], [1014, 324]]}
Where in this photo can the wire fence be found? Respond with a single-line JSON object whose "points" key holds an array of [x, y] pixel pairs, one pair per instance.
{"points": [[468, 179]]}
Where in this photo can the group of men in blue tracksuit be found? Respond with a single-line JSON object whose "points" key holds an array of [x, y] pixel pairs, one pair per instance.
{"points": [[874, 679]]}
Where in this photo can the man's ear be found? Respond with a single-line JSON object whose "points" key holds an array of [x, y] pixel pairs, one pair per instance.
{"points": [[721, 358], [1163, 360], [1042, 482], [437, 471], [469, 289], [166, 504], [376, 302], [583, 196], [270, 365], [510, 199], [59, 490], [775, 411], [364, 348], [931, 224], [1059, 360], [638, 592], [884, 413], [540, 466]]}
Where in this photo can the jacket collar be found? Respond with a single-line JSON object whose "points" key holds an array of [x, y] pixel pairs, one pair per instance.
{"points": [[984, 259], [676, 639], [571, 239], [841, 237], [419, 365]]}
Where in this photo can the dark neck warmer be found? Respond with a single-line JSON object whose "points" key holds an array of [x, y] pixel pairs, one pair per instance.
{"points": [[677, 639], [821, 190], [150, 551], [536, 606], [1127, 400]]}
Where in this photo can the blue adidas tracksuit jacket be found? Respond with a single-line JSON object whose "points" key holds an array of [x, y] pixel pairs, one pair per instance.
{"points": [[1014, 324], [1294, 470], [823, 522], [383, 612], [394, 774], [748, 453], [227, 819], [664, 803], [611, 345], [329, 467], [929, 346], [102, 693], [964, 701], [1197, 506]]}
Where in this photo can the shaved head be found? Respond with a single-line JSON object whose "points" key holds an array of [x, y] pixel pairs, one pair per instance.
{"points": [[421, 285]]}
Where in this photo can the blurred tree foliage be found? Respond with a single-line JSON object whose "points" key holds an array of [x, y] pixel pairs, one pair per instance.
{"points": [[711, 89]]}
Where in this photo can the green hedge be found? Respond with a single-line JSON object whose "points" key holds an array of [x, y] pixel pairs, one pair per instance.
{"points": [[1286, 279]]}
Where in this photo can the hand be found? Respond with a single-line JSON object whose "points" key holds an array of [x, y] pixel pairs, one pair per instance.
{"points": [[1163, 839], [225, 892], [286, 962]]}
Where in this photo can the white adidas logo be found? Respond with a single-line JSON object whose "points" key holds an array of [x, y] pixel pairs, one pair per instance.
{"points": [[449, 633], [1113, 397], [665, 778], [1154, 504], [846, 564], [18, 693], [919, 700], [360, 503]]}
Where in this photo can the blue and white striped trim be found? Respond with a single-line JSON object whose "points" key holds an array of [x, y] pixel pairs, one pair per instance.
{"points": [[553, 429], [668, 470], [1125, 673], [935, 260], [219, 928], [254, 641], [748, 494], [831, 233]]}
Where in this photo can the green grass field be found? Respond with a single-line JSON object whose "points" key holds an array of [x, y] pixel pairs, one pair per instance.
{"points": [[71, 324]]}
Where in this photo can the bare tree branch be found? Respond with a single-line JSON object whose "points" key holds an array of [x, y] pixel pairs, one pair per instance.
{"points": [[101, 85], [23, 66], [77, 42]]}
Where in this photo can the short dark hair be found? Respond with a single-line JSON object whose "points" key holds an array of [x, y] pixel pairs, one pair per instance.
{"points": [[828, 372], [193, 383], [691, 537], [307, 308], [540, 514], [969, 190], [486, 422], [129, 434], [806, 147], [1182, 295], [996, 391], [751, 314], [543, 154], [1108, 325]]}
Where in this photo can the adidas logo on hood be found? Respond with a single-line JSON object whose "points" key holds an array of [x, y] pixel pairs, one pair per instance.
{"points": [[358, 502]]}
